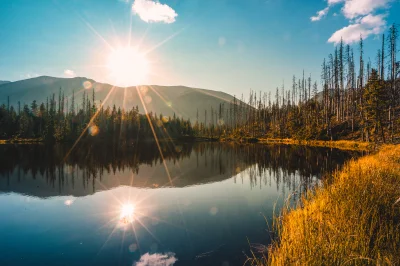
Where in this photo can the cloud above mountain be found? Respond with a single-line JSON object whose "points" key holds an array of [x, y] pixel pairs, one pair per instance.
{"points": [[365, 17], [154, 11], [69, 73]]}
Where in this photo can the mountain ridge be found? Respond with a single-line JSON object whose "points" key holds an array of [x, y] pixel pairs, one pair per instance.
{"points": [[183, 101]]}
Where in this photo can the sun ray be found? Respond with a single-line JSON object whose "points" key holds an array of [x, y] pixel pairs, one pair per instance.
{"points": [[148, 230], [88, 66], [216, 96], [165, 40], [111, 192], [130, 29], [94, 31], [131, 181], [108, 239], [154, 134], [144, 36], [123, 114], [164, 100], [165, 131], [135, 234], [90, 123]]}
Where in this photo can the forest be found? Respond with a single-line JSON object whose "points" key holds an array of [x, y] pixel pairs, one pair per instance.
{"points": [[62, 121], [356, 98], [347, 104]]}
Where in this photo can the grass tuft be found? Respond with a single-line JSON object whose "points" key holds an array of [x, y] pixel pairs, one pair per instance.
{"points": [[352, 220]]}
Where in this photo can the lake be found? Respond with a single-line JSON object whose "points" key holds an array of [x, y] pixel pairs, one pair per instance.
{"points": [[109, 204]]}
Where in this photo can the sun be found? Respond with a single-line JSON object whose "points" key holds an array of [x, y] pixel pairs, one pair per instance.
{"points": [[128, 66]]}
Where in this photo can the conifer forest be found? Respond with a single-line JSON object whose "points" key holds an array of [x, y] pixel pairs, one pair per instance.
{"points": [[356, 97]]}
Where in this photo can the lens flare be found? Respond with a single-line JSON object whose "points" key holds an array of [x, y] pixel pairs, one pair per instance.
{"points": [[93, 130], [143, 90], [87, 84], [165, 119], [213, 210], [147, 99]]}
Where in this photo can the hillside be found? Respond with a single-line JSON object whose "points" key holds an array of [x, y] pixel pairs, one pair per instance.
{"points": [[166, 100]]}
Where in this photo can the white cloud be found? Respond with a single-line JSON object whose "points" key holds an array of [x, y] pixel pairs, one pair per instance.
{"points": [[69, 73], [365, 26], [157, 259], [363, 19], [154, 11], [355, 8], [332, 2], [29, 75], [372, 21], [320, 14]]}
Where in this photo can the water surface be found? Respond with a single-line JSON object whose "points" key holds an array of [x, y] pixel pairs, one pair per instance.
{"points": [[112, 205]]}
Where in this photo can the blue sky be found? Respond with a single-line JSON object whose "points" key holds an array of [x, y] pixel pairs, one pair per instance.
{"points": [[226, 45]]}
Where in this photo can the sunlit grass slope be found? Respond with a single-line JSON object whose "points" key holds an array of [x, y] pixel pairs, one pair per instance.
{"points": [[339, 144], [354, 220]]}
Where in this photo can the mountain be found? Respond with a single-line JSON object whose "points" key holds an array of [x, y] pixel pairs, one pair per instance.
{"points": [[166, 100], [4, 82]]}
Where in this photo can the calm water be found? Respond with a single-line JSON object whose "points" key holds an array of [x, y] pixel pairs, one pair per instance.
{"points": [[102, 205]]}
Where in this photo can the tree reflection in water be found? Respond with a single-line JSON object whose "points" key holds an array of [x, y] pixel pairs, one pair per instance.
{"points": [[41, 171]]}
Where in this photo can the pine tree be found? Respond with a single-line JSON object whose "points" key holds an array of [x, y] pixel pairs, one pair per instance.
{"points": [[375, 104]]}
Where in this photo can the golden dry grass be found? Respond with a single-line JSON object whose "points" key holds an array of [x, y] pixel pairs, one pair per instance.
{"points": [[21, 141], [354, 220], [339, 144]]}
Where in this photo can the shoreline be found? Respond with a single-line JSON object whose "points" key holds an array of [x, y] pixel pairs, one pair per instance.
{"points": [[338, 144]]}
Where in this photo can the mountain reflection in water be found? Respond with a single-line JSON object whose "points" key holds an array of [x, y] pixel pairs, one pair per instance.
{"points": [[41, 171]]}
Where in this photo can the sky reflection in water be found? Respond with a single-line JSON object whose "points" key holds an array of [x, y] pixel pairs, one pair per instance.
{"points": [[83, 214]]}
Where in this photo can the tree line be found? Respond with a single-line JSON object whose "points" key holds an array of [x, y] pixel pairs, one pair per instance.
{"points": [[65, 121], [347, 103]]}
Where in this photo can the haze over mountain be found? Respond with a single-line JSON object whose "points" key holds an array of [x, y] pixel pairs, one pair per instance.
{"points": [[166, 100]]}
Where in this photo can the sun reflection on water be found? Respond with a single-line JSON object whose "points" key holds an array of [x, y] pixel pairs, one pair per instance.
{"points": [[127, 214]]}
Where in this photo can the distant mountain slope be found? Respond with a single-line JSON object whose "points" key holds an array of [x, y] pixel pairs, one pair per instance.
{"points": [[4, 82], [166, 100]]}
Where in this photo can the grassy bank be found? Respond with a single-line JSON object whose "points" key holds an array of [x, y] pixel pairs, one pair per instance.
{"points": [[339, 144], [21, 141], [353, 220]]}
